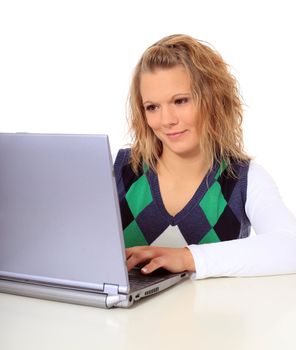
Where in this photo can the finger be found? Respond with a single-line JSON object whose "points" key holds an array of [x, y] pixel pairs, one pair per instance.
{"points": [[139, 255], [135, 260], [132, 250], [153, 265], [131, 263], [128, 252]]}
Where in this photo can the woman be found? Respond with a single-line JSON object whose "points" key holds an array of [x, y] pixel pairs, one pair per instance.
{"points": [[188, 192]]}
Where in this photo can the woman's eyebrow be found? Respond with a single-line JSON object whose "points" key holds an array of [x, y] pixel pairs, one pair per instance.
{"points": [[149, 102], [181, 94]]}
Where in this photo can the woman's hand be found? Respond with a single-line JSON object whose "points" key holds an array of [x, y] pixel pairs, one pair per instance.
{"points": [[172, 259]]}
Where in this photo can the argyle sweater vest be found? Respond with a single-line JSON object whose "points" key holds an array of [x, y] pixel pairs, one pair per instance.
{"points": [[216, 212]]}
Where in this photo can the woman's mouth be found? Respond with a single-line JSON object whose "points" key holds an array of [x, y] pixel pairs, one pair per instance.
{"points": [[176, 134]]}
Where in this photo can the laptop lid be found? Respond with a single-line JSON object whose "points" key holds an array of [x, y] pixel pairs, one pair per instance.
{"points": [[59, 214]]}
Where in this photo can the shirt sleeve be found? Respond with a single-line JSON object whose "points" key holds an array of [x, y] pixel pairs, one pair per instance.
{"points": [[271, 251]]}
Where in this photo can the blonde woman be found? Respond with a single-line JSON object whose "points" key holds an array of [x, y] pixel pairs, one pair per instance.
{"points": [[188, 192]]}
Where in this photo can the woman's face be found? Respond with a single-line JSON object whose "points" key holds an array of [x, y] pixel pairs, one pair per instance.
{"points": [[170, 110]]}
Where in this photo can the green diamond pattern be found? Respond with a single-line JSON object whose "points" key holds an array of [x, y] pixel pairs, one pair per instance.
{"points": [[133, 236], [220, 170], [139, 195], [210, 237], [213, 203]]}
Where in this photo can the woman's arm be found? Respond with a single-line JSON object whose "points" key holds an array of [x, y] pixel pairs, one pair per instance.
{"points": [[271, 251]]}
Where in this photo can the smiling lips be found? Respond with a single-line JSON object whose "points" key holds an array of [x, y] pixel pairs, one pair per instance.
{"points": [[175, 135]]}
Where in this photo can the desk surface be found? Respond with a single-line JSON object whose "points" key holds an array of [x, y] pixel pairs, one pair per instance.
{"points": [[222, 313]]}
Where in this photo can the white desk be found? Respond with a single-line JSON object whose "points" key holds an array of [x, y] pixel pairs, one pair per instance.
{"points": [[224, 313]]}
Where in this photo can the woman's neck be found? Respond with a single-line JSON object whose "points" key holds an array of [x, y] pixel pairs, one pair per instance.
{"points": [[179, 166]]}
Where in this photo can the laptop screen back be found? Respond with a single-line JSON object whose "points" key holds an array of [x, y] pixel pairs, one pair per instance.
{"points": [[59, 213]]}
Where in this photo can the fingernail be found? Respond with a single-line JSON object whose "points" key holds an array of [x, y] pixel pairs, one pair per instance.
{"points": [[144, 269]]}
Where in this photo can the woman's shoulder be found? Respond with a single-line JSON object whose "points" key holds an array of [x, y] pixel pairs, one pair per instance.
{"points": [[122, 157], [123, 152], [254, 172], [259, 178], [235, 171]]}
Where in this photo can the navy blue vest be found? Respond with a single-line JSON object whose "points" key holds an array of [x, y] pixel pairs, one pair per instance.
{"points": [[216, 212]]}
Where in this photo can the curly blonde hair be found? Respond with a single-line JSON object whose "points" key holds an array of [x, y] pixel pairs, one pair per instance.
{"points": [[215, 92]]}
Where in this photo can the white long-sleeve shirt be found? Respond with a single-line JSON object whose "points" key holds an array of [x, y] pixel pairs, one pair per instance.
{"points": [[271, 251]]}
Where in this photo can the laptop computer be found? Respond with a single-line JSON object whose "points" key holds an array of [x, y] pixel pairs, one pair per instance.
{"points": [[60, 226]]}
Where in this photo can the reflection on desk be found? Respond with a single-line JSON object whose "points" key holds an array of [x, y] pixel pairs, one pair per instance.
{"points": [[222, 313]]}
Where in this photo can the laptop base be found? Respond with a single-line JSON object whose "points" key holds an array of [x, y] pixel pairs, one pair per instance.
{"points": [[87, 298]]}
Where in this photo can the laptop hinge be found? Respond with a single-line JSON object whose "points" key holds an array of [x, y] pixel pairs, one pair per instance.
{"points": [[111, 289]]}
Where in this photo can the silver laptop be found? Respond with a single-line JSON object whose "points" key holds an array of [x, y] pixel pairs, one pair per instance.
{"points": [[60, 227]]}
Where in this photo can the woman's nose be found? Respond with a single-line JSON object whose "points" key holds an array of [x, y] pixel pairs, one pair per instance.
{"points": [[168, 116]]}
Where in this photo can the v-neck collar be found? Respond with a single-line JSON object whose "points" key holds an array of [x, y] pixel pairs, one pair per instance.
{"points": [[195, 199]]}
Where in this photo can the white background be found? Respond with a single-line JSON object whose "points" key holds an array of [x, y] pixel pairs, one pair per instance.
{"points": [[65, 66]]}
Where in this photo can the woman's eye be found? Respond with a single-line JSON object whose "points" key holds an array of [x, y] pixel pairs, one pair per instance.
{"points": [[182, 100], [150, 108]]}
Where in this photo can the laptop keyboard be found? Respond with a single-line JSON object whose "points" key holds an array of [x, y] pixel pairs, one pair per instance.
{"points": [[138, 280]]}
